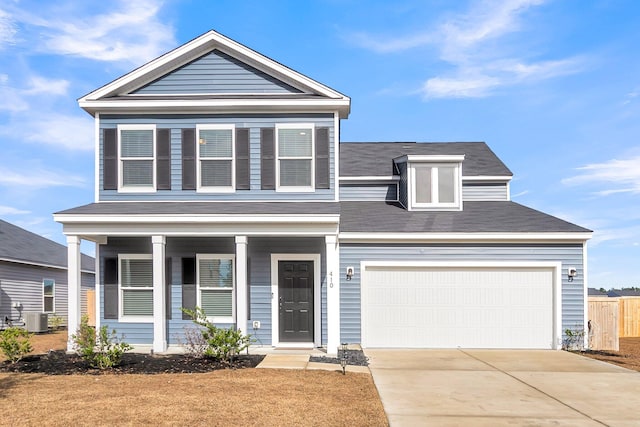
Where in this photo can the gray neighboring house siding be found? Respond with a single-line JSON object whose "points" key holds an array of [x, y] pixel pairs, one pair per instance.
{"points": [[253, 122], [353, 254], [26, 259], [484, 192]]}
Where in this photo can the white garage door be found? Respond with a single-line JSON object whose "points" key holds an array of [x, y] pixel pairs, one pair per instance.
{"points": [[478, 307]]}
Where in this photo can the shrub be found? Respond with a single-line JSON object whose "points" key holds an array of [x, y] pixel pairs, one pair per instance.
{"points": [[15, 344], [573, 339], [220, 343], [102, 350], [55, 322]]}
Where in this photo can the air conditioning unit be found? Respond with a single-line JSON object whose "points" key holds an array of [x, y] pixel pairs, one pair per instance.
{"points": [[36, 322]]}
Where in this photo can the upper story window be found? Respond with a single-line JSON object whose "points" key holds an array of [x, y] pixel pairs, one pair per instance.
{"points": [[435, 182], [295, 157], [136, 152], [49, 295], [216, 158]]}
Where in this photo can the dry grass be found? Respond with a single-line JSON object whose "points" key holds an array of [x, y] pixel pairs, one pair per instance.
{"points": [[251, 397]]}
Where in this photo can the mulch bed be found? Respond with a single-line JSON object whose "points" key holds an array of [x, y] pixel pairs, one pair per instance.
{"points": [[354, 357], [58, 362]]}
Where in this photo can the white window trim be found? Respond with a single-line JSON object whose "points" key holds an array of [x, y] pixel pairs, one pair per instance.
{"points": [[52, 296], [457, 186], [218, 189], [121, 316], [296, 189], [133, 189], [232, 257]]}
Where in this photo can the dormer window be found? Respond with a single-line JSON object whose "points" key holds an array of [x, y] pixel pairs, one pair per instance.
{"points": [[435, 182]]}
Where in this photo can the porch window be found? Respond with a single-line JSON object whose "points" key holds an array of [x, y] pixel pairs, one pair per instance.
{"points": [[137, 158], [295, 164], [216, 166], [49, 295], [216, 278], [136, 286]]}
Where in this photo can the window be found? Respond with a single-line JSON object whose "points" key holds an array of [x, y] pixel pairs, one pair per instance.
{"points": [[215, 278], [136, 286], [216, 153], [436, 185], [49, 295], [136, 150], [295, 166]]}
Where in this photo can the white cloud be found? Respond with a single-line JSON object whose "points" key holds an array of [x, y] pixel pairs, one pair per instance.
{"points": [[130, 32], [8, 210], [41, 85], [471, 43], [66, 131], [38, 178], [7, 29], [623, 175]]}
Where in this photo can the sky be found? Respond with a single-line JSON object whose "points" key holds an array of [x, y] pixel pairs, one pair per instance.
{"points": [[553, 87]]}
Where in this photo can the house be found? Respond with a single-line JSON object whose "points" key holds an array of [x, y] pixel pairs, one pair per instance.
{"points": [[624, 292], [221, 182], [33, 275]]}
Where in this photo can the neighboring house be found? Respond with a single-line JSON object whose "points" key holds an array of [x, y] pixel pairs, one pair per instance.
{"points": [[221, 182], [33, 275], [625, 292], [593, 292]]}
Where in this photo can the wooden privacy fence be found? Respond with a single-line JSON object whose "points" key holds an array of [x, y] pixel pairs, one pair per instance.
{"points": [[603, 323], [91, 307], [613, 318]]}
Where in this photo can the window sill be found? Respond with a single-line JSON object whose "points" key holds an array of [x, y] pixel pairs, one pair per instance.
{"points": [[135, 319], [136, 190], [221, 319], [295, 190], [209, 190]]}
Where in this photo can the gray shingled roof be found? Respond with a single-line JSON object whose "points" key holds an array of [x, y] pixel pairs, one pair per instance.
{"points": [[206, 208], [376, 158], [477, 217], [18, 244]]}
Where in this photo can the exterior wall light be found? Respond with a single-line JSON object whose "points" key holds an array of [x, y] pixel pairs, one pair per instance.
{"points": [[349, 273], [571, 273]]}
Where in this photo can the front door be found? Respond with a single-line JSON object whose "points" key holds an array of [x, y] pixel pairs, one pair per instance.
{"points": [[295, 293]]}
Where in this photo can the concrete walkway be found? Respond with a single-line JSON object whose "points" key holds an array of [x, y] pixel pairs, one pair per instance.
{"points": [[301, 361], [499, 388]]}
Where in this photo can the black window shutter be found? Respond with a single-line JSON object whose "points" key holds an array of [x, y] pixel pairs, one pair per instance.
{"points": [[163, 159], [168, 280], [322, 158], [110, 159], [111, 288], [188, 285], [242, 159], [188, 159], [267, 159]]}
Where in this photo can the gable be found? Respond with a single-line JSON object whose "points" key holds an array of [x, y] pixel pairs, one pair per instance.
{"points": [[216, 72]]}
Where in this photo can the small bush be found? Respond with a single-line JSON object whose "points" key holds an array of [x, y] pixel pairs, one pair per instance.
{"points": [[102, 350], [15, 344], [194, 343], [573, 339], [220, 343], [55, 322]]}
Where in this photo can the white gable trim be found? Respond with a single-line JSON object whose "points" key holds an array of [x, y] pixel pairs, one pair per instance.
{"points": [[198, 47], [356, 237]]}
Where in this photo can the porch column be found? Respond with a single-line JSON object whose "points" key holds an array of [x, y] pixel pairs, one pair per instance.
{"points": [[333, 294], [159, 310], [74, 284], [241, 283]]}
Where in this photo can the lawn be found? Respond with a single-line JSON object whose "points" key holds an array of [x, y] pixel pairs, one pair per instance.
{"points": [[264, 397]]}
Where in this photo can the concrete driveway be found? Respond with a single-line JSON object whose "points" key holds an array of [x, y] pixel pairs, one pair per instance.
{"points": [[503, 387]]}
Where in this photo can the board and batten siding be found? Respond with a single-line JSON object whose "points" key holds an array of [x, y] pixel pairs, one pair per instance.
{"points": [[216, 72], [353, 254], [484, 192], [253, 122], [23, 283]]}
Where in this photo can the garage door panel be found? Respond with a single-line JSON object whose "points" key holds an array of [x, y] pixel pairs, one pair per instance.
{"points": [[464, 307]]}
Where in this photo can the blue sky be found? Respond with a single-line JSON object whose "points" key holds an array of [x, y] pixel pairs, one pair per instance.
{"points": [[552, 86]]}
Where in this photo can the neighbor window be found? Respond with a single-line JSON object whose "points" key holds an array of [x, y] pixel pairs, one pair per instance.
{"points": [[216, 158], [137, 157], [49, 295], [136, 286], [435, 185], [215, 278], [295, 148]]}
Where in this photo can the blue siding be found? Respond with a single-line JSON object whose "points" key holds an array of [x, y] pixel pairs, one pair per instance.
{"points": [[370, 192], [216, 72], [254, 122], [353, 254]]}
